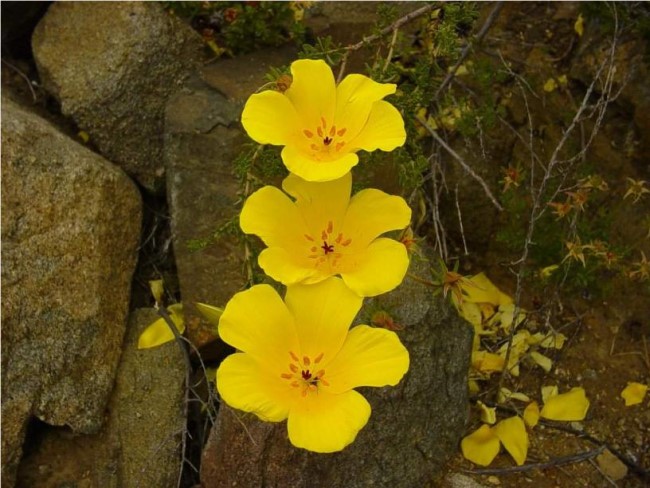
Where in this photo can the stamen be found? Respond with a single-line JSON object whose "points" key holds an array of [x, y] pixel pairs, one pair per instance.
{"points": [[326, 383], [342, 131], [314, 249], [322, 119], [295, 384], [346, 242], [286, 376], [339, 238], [339, 145], [318, 358], [320, 374], [293, 368], [327, 248], [314, 147], [324, 235], [330, 227], [293, 356], [308, 133], [333, 131], [320, 131], [306, 362], [308, 237]]}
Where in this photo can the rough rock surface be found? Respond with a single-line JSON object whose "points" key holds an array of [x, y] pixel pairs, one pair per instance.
{"points": [[70, 231], [140, 443], [113, 66], [413, 428]]}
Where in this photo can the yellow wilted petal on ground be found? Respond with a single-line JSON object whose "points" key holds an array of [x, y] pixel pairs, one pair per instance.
{"points": [[549, 392], [634, 393], [211, 313], [553, 340], [487, 362], [518, 348], [505, 394], [512, 434], [542, 361], [579, 26], [485, 291], [157, 290], [159, 332], [488, 414], [550, 85], [531, 414], [481, 446], [472, 313], [507, 315], [569, 406]]}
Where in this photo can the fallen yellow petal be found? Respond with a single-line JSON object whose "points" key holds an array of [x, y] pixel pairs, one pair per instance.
{"points": [[569, 406], [157, 290], [512, 434], [481, 446], [211, 313], [488, 414], [159, 332], [549, 392], [550, 85], [531, 414], [542, 361], [472, 313], [579, 26], [487, 362], [634, 393], [505, 394]]}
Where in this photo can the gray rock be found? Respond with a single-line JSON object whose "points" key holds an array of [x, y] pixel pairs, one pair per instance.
{"points": [[71, 224], [113, 66], [140, 444], [413, 429]]}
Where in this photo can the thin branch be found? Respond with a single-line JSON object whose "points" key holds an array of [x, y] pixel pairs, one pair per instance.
{"points": [[559, 461], [24, 77], [463, 55], [460, 160]]}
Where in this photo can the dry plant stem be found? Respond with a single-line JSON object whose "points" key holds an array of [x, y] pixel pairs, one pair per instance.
{"points": [[460, 160], [538, 207], [463, 55], [460, 222], [559, 461], [386, 30], [188, 373], [24, 77]]}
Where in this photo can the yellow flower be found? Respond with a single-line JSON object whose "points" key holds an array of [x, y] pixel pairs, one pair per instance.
{"points": [[322, 125], [299, 361], [324, 232]]}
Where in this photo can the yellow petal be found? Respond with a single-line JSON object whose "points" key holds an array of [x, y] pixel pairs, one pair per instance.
{"points": [[487, 362], [323, 313], [471, 312], [211, 313], [542, 361], [579, 26], [312, 92], [505, 394], [271, 215], [320, 202], [245, 384], [634, 393], [507, 316], [369, 357], [569, 406], [311, 169], [488, 414], [512, 434], [372, 213], [262, 113], [549, 392], [531, 414], [383, 130], [550, 85], [157, 290], [380, 268], [257, 321], [286, 266], [159, 332], [355, 97], [481, 446], [327, 422]]}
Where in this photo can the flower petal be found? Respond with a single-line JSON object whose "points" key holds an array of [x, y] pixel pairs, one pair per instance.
{"points": [[262, 113], [481, 446], [312, 92], [531, 414], [159, 332], [311, 169], [384, 129], [323, 313], [378, 269], [512, 434], [256, 321], [373, 212], [355, 97], [569, 406], [326, 422], [245, 384], [369, 357], [634, 393], [320, 202], [285, 266], [271, 215], [211, 313]]}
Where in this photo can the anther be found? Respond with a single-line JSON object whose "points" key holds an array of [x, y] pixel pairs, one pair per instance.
{"points": [[333, 131], [346, 242], [308, 133], [308, 237], [324, 235], [314, 249], [330, 227], [320, 131], [314, 147], [339, 238], [318, 358], [293, 356], [322, 119], [286, 376], [341, 132], [306, 362], [293, 368], [339, 145]]}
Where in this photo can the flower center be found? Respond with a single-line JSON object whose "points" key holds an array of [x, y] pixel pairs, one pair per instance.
{"points": [[331, 242], [302, 377], [331, 138]]}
